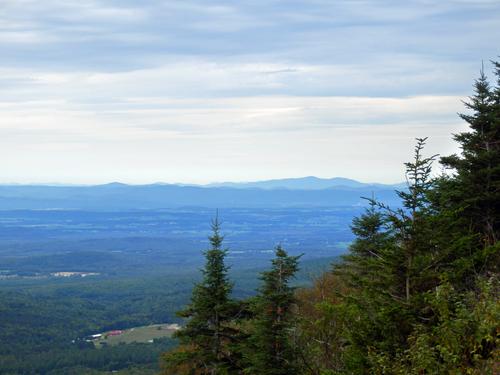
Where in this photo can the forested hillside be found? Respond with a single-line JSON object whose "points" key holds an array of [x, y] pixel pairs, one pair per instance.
{"points": [[417, 293]]}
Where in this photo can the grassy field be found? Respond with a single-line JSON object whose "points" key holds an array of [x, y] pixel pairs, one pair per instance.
{"points": [[143, 334]]}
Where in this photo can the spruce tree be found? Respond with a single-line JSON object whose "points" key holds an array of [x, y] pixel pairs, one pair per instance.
{"points": [[411, 224], [469, 198], [207, 336], [423, 277], [363, 266], [396, 245], [270, 351], [387, 268]]}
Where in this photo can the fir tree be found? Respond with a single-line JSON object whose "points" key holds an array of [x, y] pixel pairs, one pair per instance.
{"points": [[387, 268], [403, 252], [208, 334], [424, 277], [411, 224], [416, 294], [362, 267], [469, 199], [270, 351]]}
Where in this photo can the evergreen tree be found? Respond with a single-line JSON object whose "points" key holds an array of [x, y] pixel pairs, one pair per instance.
{"points": [[270, 351], [363, 267], [468, 201], [388, 266], [411, 224], [423, 278], [209, 332], [417, 294]]}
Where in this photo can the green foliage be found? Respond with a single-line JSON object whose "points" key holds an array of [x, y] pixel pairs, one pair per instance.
{"points": [[85, 359], [462, 338], [37, 325], [418, 291], [209, 332], [469, 199], [389, 264], [420, 284], [270, 350], [321, 317]]}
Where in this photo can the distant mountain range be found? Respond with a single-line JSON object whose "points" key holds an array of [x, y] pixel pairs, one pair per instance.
{"points": [[305, 183], [294, 192]]}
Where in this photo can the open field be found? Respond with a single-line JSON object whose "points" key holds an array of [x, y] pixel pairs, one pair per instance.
{"points": [[145, 334]]}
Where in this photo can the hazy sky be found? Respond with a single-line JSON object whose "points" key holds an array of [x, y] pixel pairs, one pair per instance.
{"points": [[141, 91]]}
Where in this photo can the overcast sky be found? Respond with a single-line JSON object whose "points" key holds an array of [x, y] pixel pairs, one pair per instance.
{"points": [[93, 91]]}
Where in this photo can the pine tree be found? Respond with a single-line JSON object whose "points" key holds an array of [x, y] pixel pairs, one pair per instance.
{"points": [[207, 337], [270, 351]]}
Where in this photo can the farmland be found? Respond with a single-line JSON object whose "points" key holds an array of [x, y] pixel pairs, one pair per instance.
{"points": [[144, 334]]}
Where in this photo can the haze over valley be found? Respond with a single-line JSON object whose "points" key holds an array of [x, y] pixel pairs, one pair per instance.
{"points": [[119, 229]]}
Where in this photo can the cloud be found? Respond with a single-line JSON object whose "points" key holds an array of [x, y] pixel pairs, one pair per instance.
{"points": [[205, 79], [153, 119], [232, 89]]}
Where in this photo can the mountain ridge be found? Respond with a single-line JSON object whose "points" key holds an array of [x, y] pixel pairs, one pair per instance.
{"points": [[119, 196], [291, 183], [303, 183]]}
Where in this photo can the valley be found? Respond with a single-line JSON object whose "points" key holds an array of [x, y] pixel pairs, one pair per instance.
{"points": [[69, 274]]}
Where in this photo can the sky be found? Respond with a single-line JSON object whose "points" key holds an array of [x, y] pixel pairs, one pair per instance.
{"points": [[94, 91]]}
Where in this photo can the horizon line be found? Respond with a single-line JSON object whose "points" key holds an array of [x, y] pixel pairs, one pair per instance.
{"points": [[179, 183]]}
